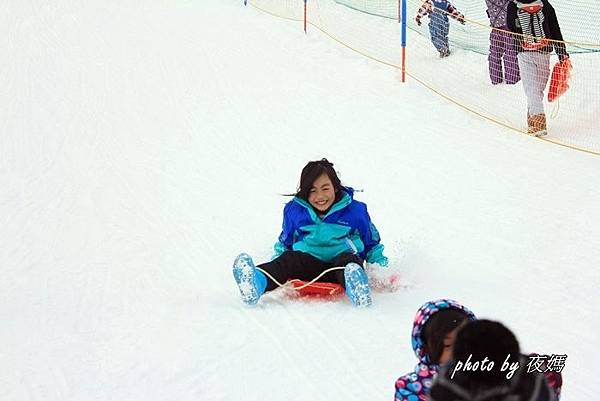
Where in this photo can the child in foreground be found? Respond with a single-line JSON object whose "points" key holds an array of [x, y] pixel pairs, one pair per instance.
{"points": [[435, 329], [433, 333]]}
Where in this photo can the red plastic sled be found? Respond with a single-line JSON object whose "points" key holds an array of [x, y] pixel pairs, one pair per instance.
{"points": [[317, 289], [559, 82]]}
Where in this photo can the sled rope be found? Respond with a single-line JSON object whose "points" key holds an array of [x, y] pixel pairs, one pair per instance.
{"points": [[555, 109], [302, 286]]}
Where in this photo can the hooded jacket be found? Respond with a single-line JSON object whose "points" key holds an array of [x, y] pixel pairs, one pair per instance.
{"points": [[414, 386], [346, 227]]}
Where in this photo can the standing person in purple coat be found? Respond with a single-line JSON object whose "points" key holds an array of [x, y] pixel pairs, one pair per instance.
{"points": [[502, 47]]}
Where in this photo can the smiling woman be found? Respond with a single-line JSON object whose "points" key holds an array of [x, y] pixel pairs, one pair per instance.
{"points": [[323, 227]]}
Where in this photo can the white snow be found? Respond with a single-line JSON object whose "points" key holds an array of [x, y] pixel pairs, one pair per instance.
{"points": [[143, 145]]}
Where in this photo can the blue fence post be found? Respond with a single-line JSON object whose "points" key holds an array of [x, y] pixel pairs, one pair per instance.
{"points": [[403, 40]]}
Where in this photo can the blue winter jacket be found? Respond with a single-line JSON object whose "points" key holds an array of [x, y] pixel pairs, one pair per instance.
{"points": [[346, 227]]}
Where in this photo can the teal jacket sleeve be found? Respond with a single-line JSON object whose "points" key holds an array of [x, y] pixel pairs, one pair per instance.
{"points": [[370, 237]]}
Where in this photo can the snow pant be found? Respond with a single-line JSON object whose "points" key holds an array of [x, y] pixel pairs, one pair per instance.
{"points": [[502, 48], [303, 266], [535, 70], [439, 26]]}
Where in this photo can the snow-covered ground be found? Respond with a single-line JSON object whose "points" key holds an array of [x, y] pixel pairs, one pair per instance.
{"points": [[143, 145]]}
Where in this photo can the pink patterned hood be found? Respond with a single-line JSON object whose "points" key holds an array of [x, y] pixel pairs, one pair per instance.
{"points": [[415, 386]]}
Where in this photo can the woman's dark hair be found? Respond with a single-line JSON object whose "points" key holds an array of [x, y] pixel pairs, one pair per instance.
{"points": [[486, 339], [437, 328], [314, 170]]}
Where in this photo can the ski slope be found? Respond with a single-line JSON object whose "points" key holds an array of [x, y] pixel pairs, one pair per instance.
{"points": [[143, 145]]}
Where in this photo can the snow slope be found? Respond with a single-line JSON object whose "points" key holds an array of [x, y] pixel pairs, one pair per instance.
{"points": [[144, 144]]}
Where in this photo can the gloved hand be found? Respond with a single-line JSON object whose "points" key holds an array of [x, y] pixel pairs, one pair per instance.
{"points": [[382, 261], [418, 21], [461, 19]]}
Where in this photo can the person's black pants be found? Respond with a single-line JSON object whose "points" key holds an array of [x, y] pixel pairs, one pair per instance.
{"points": [[303, 266]]}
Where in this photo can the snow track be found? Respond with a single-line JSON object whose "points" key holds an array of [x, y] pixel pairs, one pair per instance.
{"points": [[143, 146]]}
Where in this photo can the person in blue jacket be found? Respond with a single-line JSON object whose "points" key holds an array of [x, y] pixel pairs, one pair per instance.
{"points": [[323, 227]]}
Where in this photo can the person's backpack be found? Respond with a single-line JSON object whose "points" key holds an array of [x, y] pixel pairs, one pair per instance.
{"points": [[531, 19]]}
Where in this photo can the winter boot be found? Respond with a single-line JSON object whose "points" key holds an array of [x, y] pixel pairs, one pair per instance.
{"points": [[251, 282], [357, 285], [537, 125]]}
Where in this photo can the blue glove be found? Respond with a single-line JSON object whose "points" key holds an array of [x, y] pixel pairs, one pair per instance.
{"points": [[375, 256], [381, 261]]}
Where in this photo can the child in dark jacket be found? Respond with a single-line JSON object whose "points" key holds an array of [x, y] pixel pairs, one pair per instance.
{"points": [[439, 26], [538, 33], [323, 227], [505, 377]]}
